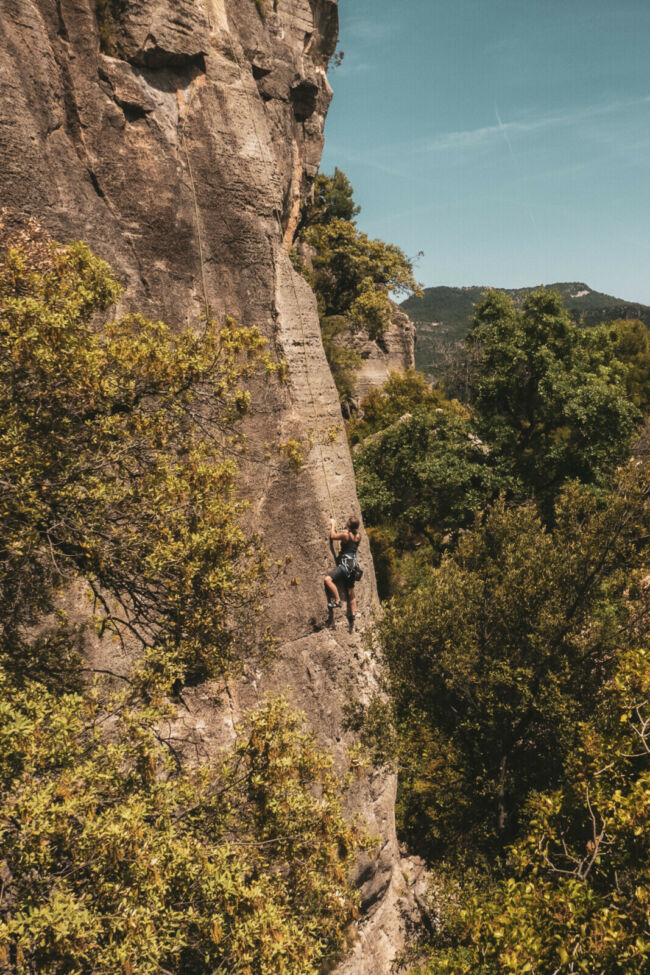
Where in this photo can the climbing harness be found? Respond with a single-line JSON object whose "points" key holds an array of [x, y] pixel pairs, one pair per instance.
{"points": [[350, 565], [348, 561]]}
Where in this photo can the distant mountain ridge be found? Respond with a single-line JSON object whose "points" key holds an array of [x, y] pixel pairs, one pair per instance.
{"points": [[444, 315]]}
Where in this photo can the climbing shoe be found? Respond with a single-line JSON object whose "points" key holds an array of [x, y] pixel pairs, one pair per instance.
{"points": [[333, 604]]}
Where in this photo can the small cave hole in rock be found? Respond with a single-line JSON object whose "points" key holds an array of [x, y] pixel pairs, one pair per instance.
{"points": [[303, 98], [260, 72], [132, 112]]}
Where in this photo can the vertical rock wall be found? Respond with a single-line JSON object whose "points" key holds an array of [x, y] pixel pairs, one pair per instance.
{"points": [[178, 138]]}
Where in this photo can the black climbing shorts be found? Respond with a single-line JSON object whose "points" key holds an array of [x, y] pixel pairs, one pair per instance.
{"points": [[339, 577]]}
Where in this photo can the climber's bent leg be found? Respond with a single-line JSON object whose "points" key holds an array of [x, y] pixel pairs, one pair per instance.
{"points": [[333, 591]]}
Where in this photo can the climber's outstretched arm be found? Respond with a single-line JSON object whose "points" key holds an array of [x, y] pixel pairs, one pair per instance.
{"points": [[338, 536]]}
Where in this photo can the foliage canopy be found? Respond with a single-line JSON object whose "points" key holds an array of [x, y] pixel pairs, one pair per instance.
{"points": [[353, 275], [577, 897], [404, 392], [111, 469], [632, 348], [425, 475], [500, 653], [333, 199], [117, 862], [517, 645], [550, 397]]}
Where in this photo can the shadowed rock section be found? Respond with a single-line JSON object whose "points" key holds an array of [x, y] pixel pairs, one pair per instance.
{"points": [[178, 138]]}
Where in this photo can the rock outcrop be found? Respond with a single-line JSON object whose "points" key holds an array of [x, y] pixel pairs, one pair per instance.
{"points": [[178, 139], [395, 352]]}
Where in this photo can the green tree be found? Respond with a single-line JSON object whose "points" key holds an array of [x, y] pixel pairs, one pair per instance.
{"points": [[550, 397], [354, 276], [632, 347], [576, 898], [333, 199], [425, 475], [343, 360], [405, 392], [111, 471], [498, 655]]}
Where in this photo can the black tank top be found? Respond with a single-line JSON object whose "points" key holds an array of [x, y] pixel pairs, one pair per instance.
{"points": [[350, 547]]}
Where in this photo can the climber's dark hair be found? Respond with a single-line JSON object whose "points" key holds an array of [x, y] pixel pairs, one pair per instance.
{"points": [[353, 524]]}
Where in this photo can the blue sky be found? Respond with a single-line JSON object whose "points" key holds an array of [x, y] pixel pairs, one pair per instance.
{"points": [[507, 139]]}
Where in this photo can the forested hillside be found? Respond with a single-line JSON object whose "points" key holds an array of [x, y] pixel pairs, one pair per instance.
{"points": [[444, 315]]}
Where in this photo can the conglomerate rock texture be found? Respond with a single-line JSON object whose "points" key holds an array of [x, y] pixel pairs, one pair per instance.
{"points": [[178, 139]]}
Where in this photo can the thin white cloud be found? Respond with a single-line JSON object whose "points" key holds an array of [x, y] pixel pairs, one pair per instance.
{"points": [[366, 31], [476, 138], [504, 132], [503, 129]]}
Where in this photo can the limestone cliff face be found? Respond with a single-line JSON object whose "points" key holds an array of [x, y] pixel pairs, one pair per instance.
{"points": [[395, 353], [178, 138]]}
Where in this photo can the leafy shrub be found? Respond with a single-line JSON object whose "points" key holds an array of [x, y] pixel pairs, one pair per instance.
{"points": [[333, 199], [384, 560], [424, 476], [114, 860], [632, 347], [111, 471], [577, 896], [343, 361], [352, 275], [405, 392]]}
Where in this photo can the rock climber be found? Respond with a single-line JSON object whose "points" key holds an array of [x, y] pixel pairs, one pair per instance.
{"points": [[348, 571]]}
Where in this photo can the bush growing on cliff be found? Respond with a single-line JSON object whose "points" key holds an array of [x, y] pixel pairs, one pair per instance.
{"points": [[333, 199], [106, 12], [352, 275], [115, 855], [114, 860], [110, 468], [343, 361]]}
